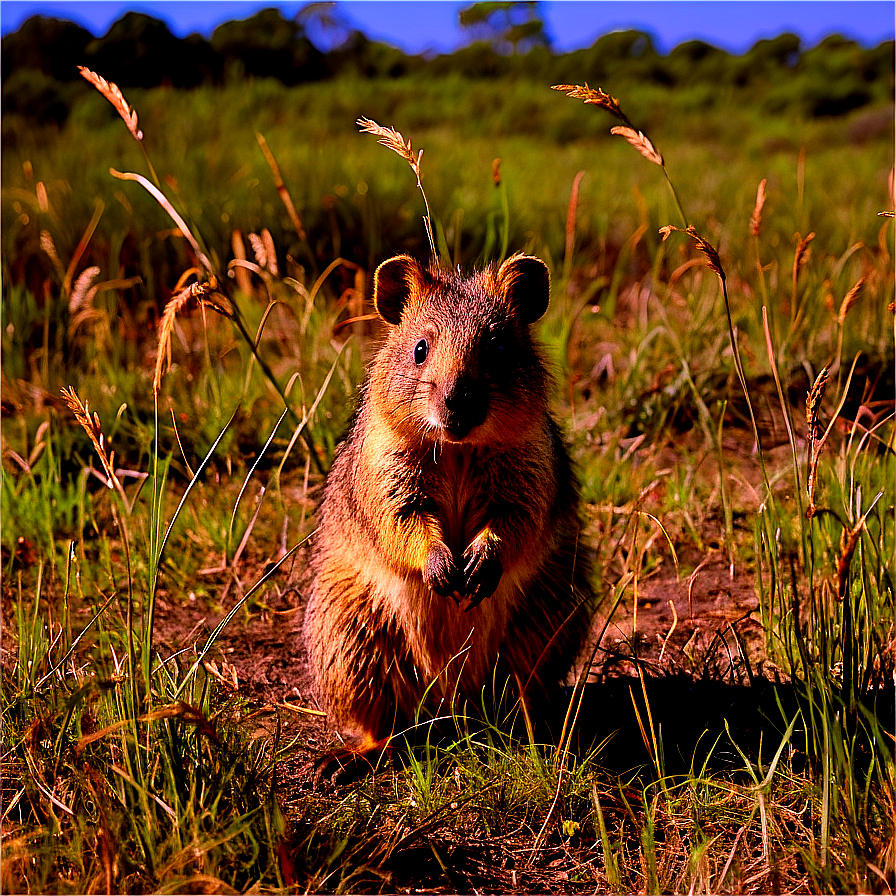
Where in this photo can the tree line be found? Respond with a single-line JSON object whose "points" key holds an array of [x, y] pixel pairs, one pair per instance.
{"points": [[40, 79]]}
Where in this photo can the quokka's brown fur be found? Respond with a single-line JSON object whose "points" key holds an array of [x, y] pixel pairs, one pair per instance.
{"points": [[447, 555]]}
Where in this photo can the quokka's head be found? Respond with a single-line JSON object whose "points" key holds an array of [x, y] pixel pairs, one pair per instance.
{"points": [[459, 363]]}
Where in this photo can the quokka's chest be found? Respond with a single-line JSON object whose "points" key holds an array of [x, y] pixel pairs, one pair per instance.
{"points": [[466, 490]]}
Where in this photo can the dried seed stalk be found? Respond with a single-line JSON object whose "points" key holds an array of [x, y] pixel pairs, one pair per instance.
{"points": [[594, 97], [850, 299], [82, 294], [270, 251], [205, 294], [280, 186], [93, 429], [265, 252], [392, 139], [49, 247], [801, 256], [849, 539], [714, 263], [813, 400], [597, 97], [641, 143], [112, 93], [816, 442], [571, 224], [756, 218]]}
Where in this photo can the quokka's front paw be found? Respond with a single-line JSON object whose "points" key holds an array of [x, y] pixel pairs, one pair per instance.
{"points": [[441, 572], [482, 569]]}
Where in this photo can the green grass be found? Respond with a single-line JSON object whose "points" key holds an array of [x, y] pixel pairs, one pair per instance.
{"points": [[130, 769]]}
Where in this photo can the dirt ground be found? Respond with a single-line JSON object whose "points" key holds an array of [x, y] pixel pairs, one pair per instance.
{"points": [[703, 627]]}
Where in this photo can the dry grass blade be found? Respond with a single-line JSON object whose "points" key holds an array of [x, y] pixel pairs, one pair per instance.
{"points": [[641, 143], [756, 218], [285, 198], [270, 251], [81, 248], [160, 197], [112, 93], [714, 263], [205, 294], [594, 97], [571, 224], [93, 429], [243, 281], [850, 299]]}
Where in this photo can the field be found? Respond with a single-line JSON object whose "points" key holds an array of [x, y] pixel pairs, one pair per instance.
{"points": [[728, 396]]}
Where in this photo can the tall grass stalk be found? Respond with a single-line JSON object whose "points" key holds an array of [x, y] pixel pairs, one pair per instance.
{"points": [[392, 139]]}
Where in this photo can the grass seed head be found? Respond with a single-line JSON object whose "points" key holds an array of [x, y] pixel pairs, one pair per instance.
{"points": [[265, 252], [205, 294], [49, 247], [850, 299], [816, 394], [641, 143], [82, 294], [42, 201], [393, 140], [594, 97], [713, 262], [756, 218], [91, 425], [801, 256], [112, 93]]}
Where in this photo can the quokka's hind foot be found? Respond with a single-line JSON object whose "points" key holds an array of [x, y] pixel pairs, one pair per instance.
{"points": [[349, 765]]}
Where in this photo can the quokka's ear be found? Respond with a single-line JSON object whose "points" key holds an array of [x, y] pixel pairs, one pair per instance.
{"points": [[394, 282], [526, 283]]}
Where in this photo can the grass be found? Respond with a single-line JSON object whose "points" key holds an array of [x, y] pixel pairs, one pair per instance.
{"points": [[131, 764]]}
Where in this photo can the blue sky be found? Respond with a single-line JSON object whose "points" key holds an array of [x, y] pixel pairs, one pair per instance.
{"points": [[421, 25]]}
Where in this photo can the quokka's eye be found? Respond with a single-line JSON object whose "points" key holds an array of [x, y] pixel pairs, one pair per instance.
{"points": [[421, 350], [499, 345]]}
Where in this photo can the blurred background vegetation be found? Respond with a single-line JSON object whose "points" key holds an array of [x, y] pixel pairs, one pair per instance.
{"points": [[507, 41], [202, 101]]}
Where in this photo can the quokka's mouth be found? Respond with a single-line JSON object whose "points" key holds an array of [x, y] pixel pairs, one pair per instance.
{"points": [[459, 430], [457, 426]]}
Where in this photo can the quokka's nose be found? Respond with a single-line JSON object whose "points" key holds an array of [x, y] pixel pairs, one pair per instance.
{"points": [[458, 397], [466, 406]]}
